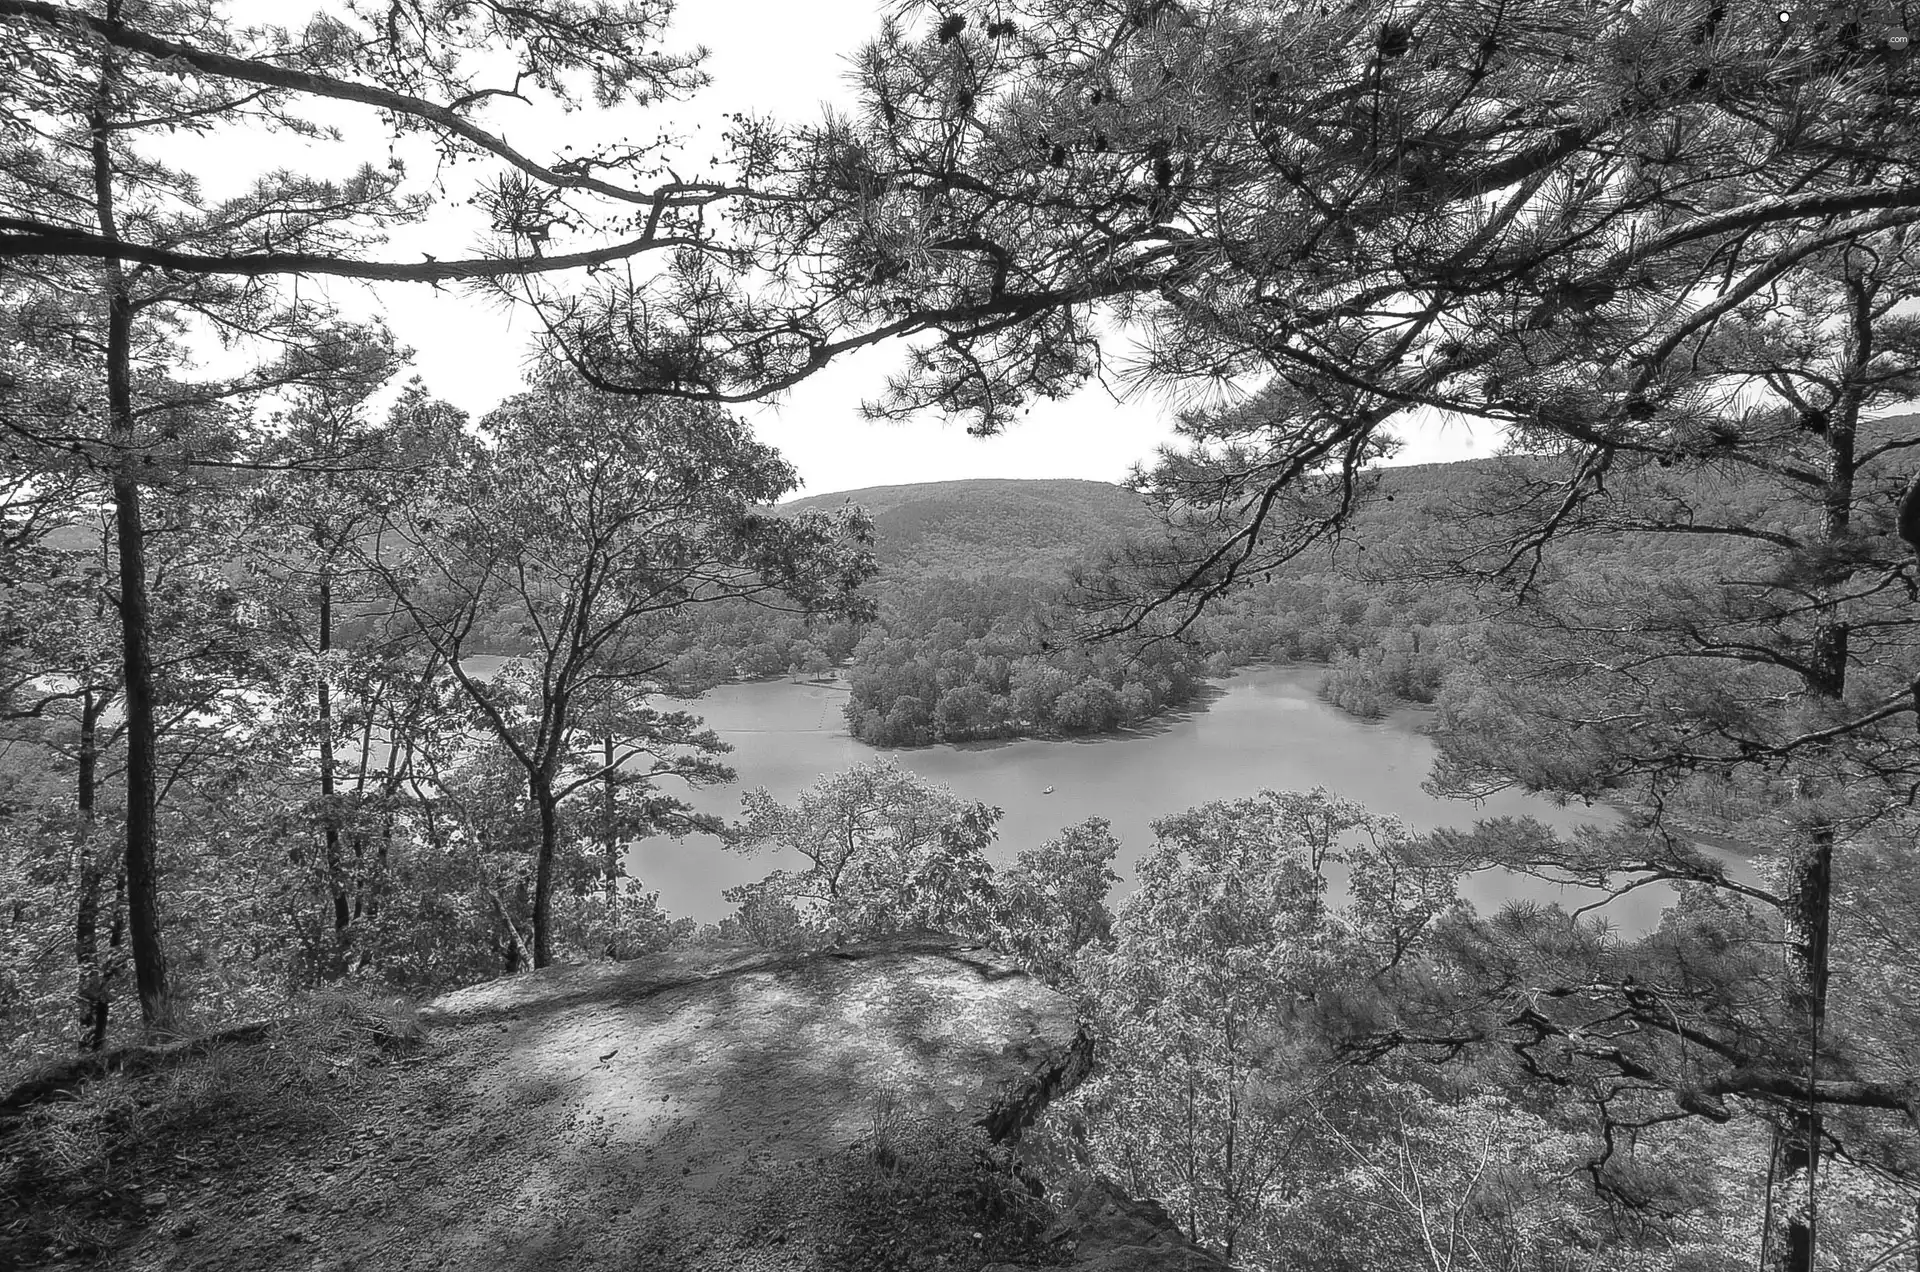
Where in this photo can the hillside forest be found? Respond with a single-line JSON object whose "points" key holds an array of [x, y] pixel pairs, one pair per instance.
{"points": [[977, 636], [316, 689]]}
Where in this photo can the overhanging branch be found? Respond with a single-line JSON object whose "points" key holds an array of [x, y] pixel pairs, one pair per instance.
{"points": [[31, 238]]}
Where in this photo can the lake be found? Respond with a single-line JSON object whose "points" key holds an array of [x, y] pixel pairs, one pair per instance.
{"points": [[1266, 728]]}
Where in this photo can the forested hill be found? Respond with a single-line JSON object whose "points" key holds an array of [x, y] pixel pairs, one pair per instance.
{"points": [[972, 572], [1005, 527], [998, 527]]}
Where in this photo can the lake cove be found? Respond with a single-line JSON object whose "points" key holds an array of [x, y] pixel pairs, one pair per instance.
{"points": [[1267, 728]]}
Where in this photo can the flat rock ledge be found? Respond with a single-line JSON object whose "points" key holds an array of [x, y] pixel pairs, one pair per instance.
{"points": [[738, 1053], [699, 1109]]}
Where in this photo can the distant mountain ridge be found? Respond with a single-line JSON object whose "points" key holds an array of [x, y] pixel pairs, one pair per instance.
{"points": [[1004, 527], [1035, 528]]}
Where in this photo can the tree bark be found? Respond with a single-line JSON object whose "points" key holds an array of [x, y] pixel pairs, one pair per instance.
{"points": [[342, 909], [92, 990], [116, 940], [607, 794], [1793, 1206], [389, 794], [543, 874], [136, 640], [1791, 1240]]}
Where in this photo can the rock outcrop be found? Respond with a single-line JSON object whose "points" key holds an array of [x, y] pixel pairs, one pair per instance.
{"points": [[702, 1109], [1104, 1230], [735, 1053]]}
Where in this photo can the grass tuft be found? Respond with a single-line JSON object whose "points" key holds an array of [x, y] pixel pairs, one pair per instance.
{"points": [[886, 1130]]}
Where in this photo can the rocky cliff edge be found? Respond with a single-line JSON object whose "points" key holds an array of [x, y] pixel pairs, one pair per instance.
{"points": [[700, 1109]]}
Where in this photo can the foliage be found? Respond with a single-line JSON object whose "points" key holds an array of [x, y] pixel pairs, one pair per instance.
{"points": [[1666, 248], [968, 613], [1213, 955], [592, 518], [1723, 650], [117, 263], [200, 74], [956, 660], [887, 851], [1237, 974], [344, 774], [1642, 240], [1053, 897]]}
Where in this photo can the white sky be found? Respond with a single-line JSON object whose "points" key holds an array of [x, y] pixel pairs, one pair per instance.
{"points": [[786, 58]]}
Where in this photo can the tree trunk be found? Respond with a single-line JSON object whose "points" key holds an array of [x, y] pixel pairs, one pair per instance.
{"points": [[607, 793], [514, 957], [1793, 1203], [342, 910], [389, 793], [1193, 1147], [543, 875], [136, 640], [1791, 1240], [116, 940], [86, 919], [362, 884]]}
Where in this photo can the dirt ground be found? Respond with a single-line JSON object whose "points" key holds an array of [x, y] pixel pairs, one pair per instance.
{"points": [[708, 1109]]}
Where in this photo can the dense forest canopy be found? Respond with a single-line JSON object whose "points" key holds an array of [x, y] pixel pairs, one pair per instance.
{"points": [[1666, 248]]}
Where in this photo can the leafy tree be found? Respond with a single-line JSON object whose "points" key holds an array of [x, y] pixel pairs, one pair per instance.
{"points": [[1378, 210], [641, 750], [887, 851], [330, 477], [1463, 1177], [1205, 1003], [594, 518], [1750, 696], [1225, 1086], [1053, 897], [102, 392], [1751, 686], [63, 669], [155, 448], [461, 871], [153, 69], [112, 250], [1632, 237], [953, 659], [60, 666]]}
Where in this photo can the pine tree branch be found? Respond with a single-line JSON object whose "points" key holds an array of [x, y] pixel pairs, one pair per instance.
{"points": [[31, 238]]}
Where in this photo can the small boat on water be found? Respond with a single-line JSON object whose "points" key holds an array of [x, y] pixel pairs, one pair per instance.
{"points": [[1048, 791]]}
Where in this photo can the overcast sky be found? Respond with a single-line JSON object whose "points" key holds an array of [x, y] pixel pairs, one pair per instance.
{"points": [[787, 58]]}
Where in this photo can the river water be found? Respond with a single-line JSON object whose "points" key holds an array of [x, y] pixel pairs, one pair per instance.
{"points": [[1266, 729]]}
